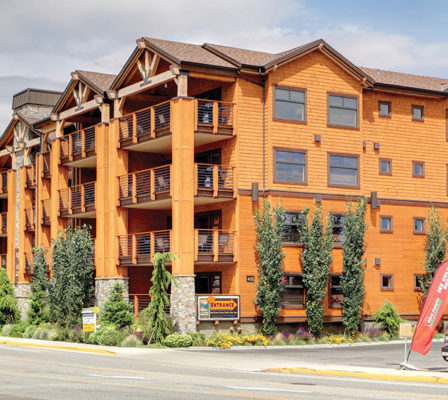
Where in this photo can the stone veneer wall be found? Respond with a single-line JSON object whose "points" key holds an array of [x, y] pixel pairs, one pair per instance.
{"points": [[183, 313], [34, 111], [22, 292], [103, 287]]}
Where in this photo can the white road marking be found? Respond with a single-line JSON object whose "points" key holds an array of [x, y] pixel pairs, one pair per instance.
{"points": [[268, 389], [116, 376]]}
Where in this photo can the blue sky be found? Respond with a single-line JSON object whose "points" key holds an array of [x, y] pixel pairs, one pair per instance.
{"points": [[42, 42]]}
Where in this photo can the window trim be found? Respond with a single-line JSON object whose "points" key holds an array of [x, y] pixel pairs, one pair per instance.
{"points": [[330, 303], [416, 288], [387, 288], [423, 232], [300, 306], [329, 154], [290, 149], [358, 111], [379, 109], [391, 230], [379, 166], [292, 244], [422, 119], [297, 89], [414, 162]]}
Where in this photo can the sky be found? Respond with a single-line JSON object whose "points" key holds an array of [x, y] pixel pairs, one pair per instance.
{"points": [[42, 41]]}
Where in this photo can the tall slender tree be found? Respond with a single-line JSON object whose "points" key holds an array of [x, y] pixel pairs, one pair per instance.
{"points": [[9, 311], [316, 261], [269, 225], [38, 311], [352, 280]]}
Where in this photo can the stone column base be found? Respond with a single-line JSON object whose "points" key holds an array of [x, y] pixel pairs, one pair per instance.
{"points": [[183, 313], [22, 292], [103, 287]]}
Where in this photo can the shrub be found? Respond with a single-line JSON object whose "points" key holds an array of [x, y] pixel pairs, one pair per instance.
{"points": [[303, 334], [131, 341], [178, 340], [198, 339], [76, 334], [388, 318], [6, 329], [59, 334], [116, 310], [109, 335], [9, 312], [36, 334], [44, 333], [17, 330], [29, 331], [225, 341]]}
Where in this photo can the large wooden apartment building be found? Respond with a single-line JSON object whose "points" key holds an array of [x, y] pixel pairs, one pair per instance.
{"points": [[177, 151]]}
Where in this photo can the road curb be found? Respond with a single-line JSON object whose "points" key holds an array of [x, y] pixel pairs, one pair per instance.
{"points": [[56, 347], [364, 375]]}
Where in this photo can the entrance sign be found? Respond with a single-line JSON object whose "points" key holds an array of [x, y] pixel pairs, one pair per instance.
{"points": [[433, 308], [88, 320], [218, 308]]}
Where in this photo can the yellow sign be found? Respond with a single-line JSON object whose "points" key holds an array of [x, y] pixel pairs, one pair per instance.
{"points": [[88, 328], [405, 330], [96, 310]]}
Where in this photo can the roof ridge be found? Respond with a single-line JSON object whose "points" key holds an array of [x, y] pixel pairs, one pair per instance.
{"points": [[404, 73]]}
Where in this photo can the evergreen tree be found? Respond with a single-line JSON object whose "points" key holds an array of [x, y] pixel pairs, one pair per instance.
{"points": [[352, 280], [116, 309], [159, 326], [38, 312], [9, 312], [269, 226], [435, 248], [72, 282], [316, 261]]}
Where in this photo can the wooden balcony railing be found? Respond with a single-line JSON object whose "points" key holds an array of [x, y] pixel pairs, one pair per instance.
{"points": [[30, 176], [143, 186], [148, 123], [46, 210], [77, 199], [3, 183], [29, 263], [30, 219], [78, 145], [46, 165], [215, 117], [139, 248], [214, 245], [215, 180], [3, 223], [140, 301]]}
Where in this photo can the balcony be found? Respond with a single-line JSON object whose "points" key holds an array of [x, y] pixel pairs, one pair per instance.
{"points": [[78, 201], [46, 165], [214, 183], [150, 188], [149, 129], [30, 219], [3, 224], [29, 263], [3, 260], [46, 209], [214, 246], [3, 185], [139, 248], [78, 149], [30, 176]]}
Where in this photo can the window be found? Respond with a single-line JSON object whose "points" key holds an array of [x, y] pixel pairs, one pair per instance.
{"points": [[384, 108], [417, 113], [418, 282], [385, 166], [338, 228], [290, 104], [290, 166], [387, 282], [336, 294], [343, 170], [419, 225], [343, 111], [290, 230], [293, 294], [386, 224], [208, 282], [418, 169]]}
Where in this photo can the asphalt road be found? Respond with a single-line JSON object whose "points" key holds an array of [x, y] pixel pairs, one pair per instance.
{"points": [[31, 373]]}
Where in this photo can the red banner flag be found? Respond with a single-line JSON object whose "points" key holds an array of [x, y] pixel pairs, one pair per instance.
{"points": [[433, 308]]}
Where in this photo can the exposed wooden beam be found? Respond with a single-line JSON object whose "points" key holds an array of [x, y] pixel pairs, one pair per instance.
{"points": [[32, 143], [211, 77], [149, 97], [142, 86], [90, 105], [83, 119]]}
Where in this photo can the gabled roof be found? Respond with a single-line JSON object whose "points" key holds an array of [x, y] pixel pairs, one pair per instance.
{"points": [[9, 131], [96, 81], [382, 77]]}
